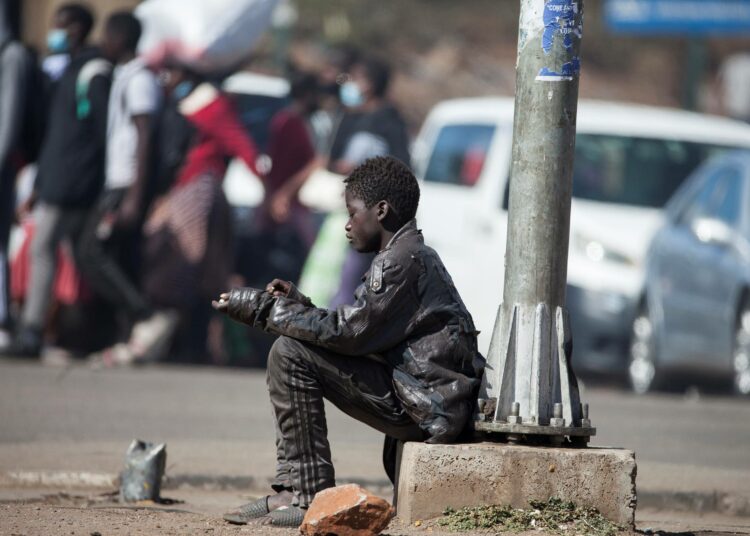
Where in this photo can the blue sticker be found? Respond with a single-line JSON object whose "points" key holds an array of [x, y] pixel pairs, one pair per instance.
{"points": [[561, 21], [569, 71]]}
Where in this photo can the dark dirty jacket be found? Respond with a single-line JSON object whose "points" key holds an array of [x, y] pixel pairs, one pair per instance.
{"points": [[407, 313]]}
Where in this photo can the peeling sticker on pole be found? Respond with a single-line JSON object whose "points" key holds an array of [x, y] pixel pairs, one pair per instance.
{"points": [[563, 29]]}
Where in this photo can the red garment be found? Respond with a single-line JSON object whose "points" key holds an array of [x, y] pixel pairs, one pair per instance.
{"points": [[68, 289], [290, 148], [220, 136]]}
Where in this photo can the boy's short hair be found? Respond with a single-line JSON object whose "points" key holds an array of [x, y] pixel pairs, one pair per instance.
{"points": [[385, 178], [124, 24], [81, 14]]}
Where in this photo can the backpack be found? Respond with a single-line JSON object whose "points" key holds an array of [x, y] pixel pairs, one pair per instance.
{"points": [[172, 137], [92, 68]]}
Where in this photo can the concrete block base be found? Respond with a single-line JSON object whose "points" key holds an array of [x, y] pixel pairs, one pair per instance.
{"points": [[433, 477]]}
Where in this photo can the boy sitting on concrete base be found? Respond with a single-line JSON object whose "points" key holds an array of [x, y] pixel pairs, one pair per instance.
{"points": [[402, 359]]}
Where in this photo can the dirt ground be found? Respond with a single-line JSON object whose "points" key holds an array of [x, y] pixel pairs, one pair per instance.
{"points": [[190, 512], [28, 512]]}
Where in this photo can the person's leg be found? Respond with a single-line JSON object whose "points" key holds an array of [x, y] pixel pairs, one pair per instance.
{"points": [[299, 376], [283, 479], [98, 260], [43, 263], [51, 225], [7, 202]]}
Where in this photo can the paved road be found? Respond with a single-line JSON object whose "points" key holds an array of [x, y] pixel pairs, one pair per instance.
{"points": [[217, 422]]}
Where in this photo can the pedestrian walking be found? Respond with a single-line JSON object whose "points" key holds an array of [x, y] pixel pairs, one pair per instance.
{"points": [[70, 166], [15, 65], [110, 241], [293, 158], [187, 235]]}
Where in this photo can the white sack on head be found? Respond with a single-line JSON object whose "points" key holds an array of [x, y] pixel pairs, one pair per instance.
{"points": [[206, 35]]}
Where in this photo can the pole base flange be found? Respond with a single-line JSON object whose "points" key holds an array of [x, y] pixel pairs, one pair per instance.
{"points": [[533, 429]]}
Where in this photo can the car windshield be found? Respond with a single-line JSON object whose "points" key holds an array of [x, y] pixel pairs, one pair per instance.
{"points": [[634, 171]]}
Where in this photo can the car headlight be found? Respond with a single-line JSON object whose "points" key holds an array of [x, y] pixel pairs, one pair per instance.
{"points": [[596, 251]]}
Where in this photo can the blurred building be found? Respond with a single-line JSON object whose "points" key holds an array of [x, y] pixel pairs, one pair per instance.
{"points": [[37, 14]]}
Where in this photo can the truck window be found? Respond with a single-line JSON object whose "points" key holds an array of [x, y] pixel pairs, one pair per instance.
{"points": [[459, 154]]}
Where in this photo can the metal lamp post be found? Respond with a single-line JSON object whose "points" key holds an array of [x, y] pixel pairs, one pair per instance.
{"points": [[529, 391]]}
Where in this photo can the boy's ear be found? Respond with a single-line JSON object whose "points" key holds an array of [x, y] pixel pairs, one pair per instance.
{"points": [[384, 209]]}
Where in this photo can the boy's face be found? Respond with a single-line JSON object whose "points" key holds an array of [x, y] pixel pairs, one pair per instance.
{"points": [[363, 230]]}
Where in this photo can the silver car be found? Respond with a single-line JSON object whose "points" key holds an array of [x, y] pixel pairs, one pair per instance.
{"points": [[695, 316]]}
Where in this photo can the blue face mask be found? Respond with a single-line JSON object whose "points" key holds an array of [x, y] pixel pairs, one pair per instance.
{"points": [[57, 41], [182, 90], [350, 95]]}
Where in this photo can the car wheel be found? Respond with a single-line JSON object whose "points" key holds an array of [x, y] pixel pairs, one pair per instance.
{"points": [[642, 367], [741, 357]]}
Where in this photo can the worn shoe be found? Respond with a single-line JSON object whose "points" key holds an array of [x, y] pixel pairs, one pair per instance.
{"points": [[118, 355], [286, 516], [247, 512], [27, 343], [150, 338]]}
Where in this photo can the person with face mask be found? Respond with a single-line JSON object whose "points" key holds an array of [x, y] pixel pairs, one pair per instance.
{"points": [[70, 165], [371, 127]]}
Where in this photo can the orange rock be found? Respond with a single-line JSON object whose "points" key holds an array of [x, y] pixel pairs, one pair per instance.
{"points": [[347, 510]]}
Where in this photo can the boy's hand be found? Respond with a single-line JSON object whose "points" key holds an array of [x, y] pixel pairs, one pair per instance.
{"points": [[222, 304], [247, 305], [278, 287]]}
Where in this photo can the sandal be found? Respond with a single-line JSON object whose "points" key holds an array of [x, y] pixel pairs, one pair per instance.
{"points": [[247, 512], [286, 516]]}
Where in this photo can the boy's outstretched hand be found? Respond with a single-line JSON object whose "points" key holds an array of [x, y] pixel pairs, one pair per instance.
{"points": [[247, 305], [222, 304]]}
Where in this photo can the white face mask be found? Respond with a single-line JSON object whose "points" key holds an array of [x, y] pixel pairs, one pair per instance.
{"points": [[57, 41], [351, 95]]}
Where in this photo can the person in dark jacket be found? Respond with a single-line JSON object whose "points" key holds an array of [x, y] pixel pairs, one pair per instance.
{"points": [[70, 167], [402, 359]]}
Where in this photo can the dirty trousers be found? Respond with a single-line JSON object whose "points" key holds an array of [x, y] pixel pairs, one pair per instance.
{"points": [[299, 377]]}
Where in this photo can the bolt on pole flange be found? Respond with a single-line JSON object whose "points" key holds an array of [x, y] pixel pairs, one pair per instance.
{"points": [[529, 391]]}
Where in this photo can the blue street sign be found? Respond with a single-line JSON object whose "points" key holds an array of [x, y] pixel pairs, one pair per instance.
{"points": [[696, 17]]}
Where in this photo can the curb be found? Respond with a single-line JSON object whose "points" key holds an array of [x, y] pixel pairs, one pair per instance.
{"points": [[698, 502], [53, 479], [89, 480]]}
